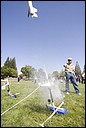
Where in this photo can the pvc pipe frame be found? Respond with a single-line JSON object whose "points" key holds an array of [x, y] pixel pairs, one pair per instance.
{"points": [[52, 114]]}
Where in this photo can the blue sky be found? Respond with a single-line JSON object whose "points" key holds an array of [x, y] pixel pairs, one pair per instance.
{"points": [[57, 33]]}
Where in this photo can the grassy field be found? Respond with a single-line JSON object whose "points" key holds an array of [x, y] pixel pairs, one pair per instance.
{"points": [[31, 111]]}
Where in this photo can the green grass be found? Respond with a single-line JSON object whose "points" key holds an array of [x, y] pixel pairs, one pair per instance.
{"points": [[32, 111]]}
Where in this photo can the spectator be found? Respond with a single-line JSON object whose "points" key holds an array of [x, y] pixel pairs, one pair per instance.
{"points": [[83, 77], [70, 75], [18, 78]]}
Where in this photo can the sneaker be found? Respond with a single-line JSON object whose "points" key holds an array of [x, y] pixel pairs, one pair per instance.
{"points": [[79, 93], [67, 92]]}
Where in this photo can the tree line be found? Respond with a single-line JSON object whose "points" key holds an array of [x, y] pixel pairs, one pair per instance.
{"points": [[10, 69]]}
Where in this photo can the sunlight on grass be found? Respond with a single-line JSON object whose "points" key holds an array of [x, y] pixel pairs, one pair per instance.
{"points": [[31, 112]]}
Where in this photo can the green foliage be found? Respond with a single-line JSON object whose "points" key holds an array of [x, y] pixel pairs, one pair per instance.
{"points": [[9, 68], [12, 72], [5, 71], [77, 69], [10, 63], [27, 71], [13, 63], [32, 111], [7, 62]]}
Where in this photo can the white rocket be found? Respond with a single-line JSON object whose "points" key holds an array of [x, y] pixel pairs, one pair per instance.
{"points": [[32, 11]]}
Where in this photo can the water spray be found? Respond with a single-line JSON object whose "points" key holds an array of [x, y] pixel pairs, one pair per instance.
{"points": [[49, 85], [54, 109], [51, 97]]}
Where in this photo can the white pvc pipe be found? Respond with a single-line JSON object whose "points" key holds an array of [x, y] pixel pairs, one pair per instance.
{"points": [[19, 101], [52, 114]]}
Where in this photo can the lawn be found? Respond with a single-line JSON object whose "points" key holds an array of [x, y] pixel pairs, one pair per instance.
{"points": [[30, 110]]}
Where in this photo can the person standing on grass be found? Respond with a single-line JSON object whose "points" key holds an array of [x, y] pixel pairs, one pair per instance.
{"points": [[18, 78], [70, 75], [7, 82]]}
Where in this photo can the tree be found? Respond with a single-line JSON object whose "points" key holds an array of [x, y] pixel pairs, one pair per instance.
{"points": [[12, 72], [42, 74], [77, 72], [27, 71], [33, 73], [5, 71], [10, 63], [13, 63], [9, 68], [56, 74], [77, 69], [7, 62]]}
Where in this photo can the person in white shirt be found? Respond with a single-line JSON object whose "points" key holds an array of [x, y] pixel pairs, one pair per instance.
{"points": [[70, 75]]}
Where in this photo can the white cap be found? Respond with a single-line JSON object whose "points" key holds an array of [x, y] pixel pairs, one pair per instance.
{"points": [[69, 58]]}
